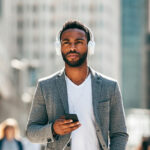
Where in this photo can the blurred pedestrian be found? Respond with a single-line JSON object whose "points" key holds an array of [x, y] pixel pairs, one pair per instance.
{"points": [[9, 135], [146, 143]]}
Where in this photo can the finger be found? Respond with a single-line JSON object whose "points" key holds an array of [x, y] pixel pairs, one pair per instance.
{"points": [[64, 132], [66, 121], [75, 127], [74, 124], [70, 125], [68, 130], [63, 121]]}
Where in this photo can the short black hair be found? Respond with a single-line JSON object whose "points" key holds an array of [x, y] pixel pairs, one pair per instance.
{"points": [[75, 25]]}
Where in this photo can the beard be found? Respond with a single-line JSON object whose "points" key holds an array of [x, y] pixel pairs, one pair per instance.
{"points": [[77, 63]]}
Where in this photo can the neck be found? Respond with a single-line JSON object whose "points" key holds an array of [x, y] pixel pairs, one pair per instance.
{"points": [[77, 74]]}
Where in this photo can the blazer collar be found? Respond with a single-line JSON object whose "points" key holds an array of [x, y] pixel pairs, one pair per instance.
{"points": [[94, 74]]}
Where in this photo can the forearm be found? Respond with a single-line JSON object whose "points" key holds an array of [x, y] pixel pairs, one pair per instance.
{"points": [[118, 141], [118, 130]]}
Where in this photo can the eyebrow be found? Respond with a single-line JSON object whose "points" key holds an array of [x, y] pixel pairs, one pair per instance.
{"points": [[65, 40], [79, 39]]}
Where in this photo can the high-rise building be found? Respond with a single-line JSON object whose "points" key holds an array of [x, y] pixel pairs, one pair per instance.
{"points": [[148, 15], [148, 60], [34, 26], [134, 30], [5, 75], [148, 72], [0, 8]]}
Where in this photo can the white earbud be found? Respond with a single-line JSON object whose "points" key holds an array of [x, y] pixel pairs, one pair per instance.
{"points": [[91, 44]]}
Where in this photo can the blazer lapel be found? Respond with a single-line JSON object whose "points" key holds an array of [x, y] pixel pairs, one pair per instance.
{"points": [[96, 95], [62, 90], [96, 91]]}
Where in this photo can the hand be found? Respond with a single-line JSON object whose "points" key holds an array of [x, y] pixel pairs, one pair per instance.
{"points": [[62, 126]]}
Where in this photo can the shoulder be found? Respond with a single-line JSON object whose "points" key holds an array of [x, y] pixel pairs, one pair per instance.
{"points": [[50, 78], [108, 84], [105, 79], [1, 140]]}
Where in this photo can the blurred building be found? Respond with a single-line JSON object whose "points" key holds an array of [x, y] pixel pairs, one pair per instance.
{"points": [[134, 31], [29, 29], [148, 14], [38, 23], [148, 71], [148, 59], [5, 77], [137, 129], [33, 26]]}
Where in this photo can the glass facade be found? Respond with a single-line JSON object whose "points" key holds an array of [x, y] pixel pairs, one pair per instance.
{"points": [[148, 71], [133, 42], [0, 8]]}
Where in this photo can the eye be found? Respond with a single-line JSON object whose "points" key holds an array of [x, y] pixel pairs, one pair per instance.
{"points": [[65, 43], [79, 42]]}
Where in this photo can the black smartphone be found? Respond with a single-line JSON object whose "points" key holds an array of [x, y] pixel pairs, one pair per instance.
{"points": [[74, 117]]}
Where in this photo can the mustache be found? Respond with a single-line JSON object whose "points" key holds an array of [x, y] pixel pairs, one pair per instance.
{"points": [[72, 52]]}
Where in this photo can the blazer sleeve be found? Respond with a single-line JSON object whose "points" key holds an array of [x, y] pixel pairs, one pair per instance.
{"points": [[118, 130], [38, 129]]}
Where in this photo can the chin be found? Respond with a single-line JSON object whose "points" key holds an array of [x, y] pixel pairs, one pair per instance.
{"points": [[74, 64]]}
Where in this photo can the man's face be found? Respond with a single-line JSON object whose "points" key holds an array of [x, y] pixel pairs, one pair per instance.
{"points": [[74, 47]]}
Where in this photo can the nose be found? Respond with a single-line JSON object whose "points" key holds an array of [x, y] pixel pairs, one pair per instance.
{"points": [[72, 46]]}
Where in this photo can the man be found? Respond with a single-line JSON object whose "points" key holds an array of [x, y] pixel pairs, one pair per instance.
{"points": [[77, 89]]}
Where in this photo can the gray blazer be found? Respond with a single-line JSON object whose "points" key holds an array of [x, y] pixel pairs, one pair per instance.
{"points": [[50, 102]]}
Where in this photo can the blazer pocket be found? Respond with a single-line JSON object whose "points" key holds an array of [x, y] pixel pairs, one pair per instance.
{"points": [[103, 105], [104, 100]]}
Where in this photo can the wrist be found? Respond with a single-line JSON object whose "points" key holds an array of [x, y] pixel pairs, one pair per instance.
{"points": [[53, 131], [55, 135]]}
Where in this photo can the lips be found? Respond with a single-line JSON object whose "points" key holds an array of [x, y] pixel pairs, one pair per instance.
{"points": [[72, 55]]}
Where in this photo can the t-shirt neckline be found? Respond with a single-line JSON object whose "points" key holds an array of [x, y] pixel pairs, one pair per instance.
{"points": [[80, 85]]}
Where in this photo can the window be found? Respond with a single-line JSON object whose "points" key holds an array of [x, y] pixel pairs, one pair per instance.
{"points": [[32, 73], [0, 8], [35, 24], [101, 8], [20, 24], [51, 23], [35, 8], [19, 9], [52, 8], [20, 41]]}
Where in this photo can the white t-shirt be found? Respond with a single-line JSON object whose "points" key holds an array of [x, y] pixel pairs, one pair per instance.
{"points": [[80, 103]]}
